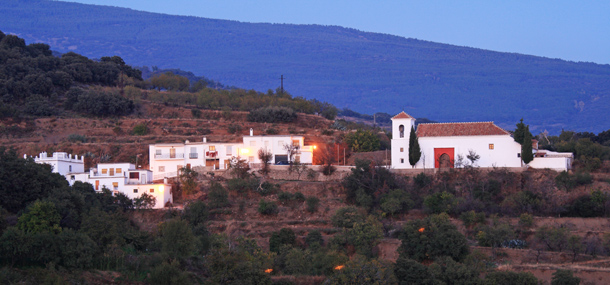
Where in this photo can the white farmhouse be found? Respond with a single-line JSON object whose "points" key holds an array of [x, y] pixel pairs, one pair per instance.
{"points": [[447, 145], [166, 159], [116, 177]]}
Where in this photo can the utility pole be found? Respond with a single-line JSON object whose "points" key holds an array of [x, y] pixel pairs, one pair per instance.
{"points": [[338, 160], [282, 83]]}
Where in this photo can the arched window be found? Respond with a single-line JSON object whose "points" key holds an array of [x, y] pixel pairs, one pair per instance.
{"points": [[401, 130]]}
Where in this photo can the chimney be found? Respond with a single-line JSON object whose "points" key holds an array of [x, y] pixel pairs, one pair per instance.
{"points": [[251, 132], [205, 140]]}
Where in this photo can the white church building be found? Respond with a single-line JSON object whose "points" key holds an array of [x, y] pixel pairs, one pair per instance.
{"points": [[447, 145]]}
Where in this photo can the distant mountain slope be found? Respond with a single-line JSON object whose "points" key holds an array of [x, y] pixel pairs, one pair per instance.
{"points": [[366, 72]]}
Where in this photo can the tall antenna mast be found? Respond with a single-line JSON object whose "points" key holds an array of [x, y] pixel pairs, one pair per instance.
{"points": [[282, 83]]}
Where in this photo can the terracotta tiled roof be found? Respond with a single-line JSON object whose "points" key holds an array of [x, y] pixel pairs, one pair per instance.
{"points": [[402, 115], [459, 129]]}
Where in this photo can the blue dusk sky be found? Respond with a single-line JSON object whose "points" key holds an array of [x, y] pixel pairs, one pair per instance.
{"points": [[570, 30]]}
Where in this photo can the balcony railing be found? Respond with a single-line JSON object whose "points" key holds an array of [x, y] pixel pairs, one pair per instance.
{"points": [[164, 175], [193, 155], [169, 156]]}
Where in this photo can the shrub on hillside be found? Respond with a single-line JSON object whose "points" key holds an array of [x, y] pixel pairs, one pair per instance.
{"points": [[140, 130], [267, 208], [312, 204], [272, 114]]}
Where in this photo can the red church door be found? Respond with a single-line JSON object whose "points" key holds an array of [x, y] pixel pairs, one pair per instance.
{"points": [[444, 157]]}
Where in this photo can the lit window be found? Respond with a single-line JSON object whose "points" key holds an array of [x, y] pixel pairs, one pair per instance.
{"points": [[491, 146], [402, 149], [212, 148], [152, 190], [296, 142], [119, 171], [135, 190], [161, 168], [104, 171]]}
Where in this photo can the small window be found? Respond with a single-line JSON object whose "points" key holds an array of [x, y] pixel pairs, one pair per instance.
{"points": [[491, 146], [134, 175], [401, 130], [229, 150], [157, 152], [119, 171], [402, 160], [115, 184], [152, 190], [104, 170], [135, 190], [296, 142], [70, 168], [193, 149], [161, 168], [72, 177], [518, 154], [402, 149], [212, 148]]}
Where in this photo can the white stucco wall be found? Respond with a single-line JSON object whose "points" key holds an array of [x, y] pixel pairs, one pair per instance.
{"points": [[504, 153], [161, 192], [555, 163]]}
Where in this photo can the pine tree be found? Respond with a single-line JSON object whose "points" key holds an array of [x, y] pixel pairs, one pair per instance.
{"points": [[526, 146], [414, 150]]}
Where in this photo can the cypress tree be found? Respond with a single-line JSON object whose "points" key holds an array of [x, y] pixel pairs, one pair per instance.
{"points": [[526, 146], [414, 150], [519, 132]]}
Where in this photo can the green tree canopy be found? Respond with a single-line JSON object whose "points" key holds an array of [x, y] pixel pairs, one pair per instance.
{"points": [[363, 141], [432, 237]]}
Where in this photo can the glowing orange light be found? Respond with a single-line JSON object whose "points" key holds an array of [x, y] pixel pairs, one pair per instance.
{"points": [[421, 230], [269, 270], [339, 267], [314, 147]]}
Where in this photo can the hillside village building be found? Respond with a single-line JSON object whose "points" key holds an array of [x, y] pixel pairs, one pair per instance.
{"points": [[166, 159], [447, 145], [117, 177], [61, 162]]}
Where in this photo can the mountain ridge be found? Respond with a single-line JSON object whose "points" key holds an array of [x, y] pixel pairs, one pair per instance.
{"points": [[364, 71]]}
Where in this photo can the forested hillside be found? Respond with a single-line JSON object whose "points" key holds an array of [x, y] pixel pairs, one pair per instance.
{"points": [[366, 72]]}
